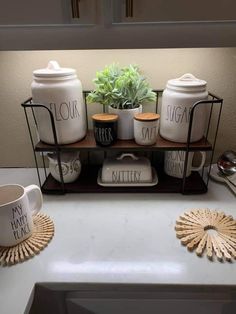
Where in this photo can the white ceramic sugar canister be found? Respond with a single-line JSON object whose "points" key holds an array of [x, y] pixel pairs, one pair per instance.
{"points": [[178, 98], [61, 92]]}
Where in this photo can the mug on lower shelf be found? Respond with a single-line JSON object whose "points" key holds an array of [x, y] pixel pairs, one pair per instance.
{"points": [[174, 163], [70, 166]]}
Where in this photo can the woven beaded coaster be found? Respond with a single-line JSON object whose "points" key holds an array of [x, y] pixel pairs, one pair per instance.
{"points": [[210, 231], [42, 234]]}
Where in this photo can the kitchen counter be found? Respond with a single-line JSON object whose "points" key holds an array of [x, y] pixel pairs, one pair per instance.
{"points": [[125, 238]]}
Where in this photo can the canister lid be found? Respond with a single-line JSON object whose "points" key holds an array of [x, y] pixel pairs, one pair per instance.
{"points": [[147, 116], [105, 117], [53, 70], [187, 82]]}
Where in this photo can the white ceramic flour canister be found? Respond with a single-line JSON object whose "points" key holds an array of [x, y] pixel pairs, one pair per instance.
{"points": [[61, 92], [177, 101]]}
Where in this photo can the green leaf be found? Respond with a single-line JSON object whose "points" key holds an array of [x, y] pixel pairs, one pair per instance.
{"points": [[123, 88]]}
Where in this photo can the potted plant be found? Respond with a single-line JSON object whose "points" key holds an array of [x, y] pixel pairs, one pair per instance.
{"points": [[123, 91]]}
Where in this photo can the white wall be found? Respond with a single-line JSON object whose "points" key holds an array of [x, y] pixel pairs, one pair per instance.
{"points": [[216, 66]]}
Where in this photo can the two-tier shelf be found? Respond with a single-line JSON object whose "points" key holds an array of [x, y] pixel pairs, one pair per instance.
{"points": [[196, 183]]}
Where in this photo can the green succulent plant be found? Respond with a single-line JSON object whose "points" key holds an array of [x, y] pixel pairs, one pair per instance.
{"points": [[121, 88]]}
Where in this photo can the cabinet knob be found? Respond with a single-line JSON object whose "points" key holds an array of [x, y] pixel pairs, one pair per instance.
{"points": [[129, 8], [75, 9]]}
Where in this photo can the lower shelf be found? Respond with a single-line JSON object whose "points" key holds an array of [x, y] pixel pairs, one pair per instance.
{"points": [[87, 183]]}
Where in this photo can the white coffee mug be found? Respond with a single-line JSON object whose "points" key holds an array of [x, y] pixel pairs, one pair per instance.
{"points": [[174, 163], [70, 164], [18, 205]]}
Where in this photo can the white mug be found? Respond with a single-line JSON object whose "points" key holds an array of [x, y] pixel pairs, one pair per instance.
{"points": [[70, 164], [174, 163], [18, 204]]}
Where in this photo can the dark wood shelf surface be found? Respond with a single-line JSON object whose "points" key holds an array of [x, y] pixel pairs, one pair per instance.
{"points": [[88, 144], [87, 183]]}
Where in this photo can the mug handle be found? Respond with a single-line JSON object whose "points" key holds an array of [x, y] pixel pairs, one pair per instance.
{"points": [[37, 202], [202, 162]]}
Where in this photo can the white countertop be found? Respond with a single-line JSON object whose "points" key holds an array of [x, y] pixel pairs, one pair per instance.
{"points": [[122, 238]]}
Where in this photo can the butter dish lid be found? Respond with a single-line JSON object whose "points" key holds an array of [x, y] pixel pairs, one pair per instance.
{"points": [[127, 159], [126, 168], [53, 70]]}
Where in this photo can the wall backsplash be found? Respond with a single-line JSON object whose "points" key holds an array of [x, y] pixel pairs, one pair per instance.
{"points": [[217, 66]]}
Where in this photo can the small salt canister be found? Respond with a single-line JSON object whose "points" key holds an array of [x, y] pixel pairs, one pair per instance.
{"points": [[146, 128], [105, 128]]}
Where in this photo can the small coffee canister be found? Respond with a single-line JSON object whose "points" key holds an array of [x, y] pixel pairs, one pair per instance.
{"points": [[146, 128], [105, 128]]}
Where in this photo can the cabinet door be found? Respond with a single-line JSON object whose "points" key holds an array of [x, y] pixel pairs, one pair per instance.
{"points": [[173, 10], [46, 12]]}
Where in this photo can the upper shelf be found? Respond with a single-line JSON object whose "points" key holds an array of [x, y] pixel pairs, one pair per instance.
{"points": [[88, 143]]}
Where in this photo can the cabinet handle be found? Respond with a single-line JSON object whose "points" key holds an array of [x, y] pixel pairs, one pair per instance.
{"points": [[129, 8], [75, 8]]}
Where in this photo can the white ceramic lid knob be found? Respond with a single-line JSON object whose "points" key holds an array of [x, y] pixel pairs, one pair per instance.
{"points": [[188, 77], [54, 70], [53, 65]]}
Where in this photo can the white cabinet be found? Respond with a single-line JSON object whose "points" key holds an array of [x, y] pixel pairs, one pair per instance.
{"points": [[46, 12], [48, 24], [107, 24], [173, 23], [139, 11]]}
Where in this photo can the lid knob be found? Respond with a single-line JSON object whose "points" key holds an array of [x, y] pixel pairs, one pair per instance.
{"points": [[54, 70], [187, 82], [188, 77], [53, 65]]}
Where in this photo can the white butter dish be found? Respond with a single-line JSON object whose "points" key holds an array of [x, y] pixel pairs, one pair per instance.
{"points": [[126, 169], [152, 183]]}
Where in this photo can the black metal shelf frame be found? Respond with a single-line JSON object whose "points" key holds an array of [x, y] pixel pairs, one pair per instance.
{"points": [[212, 101]]}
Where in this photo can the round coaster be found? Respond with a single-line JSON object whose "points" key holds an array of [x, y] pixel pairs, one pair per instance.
{"points": [[210, 231], [42, 234]]}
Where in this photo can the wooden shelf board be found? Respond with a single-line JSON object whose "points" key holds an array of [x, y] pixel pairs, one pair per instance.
{"points": [[88, 143], [87, 183]]}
